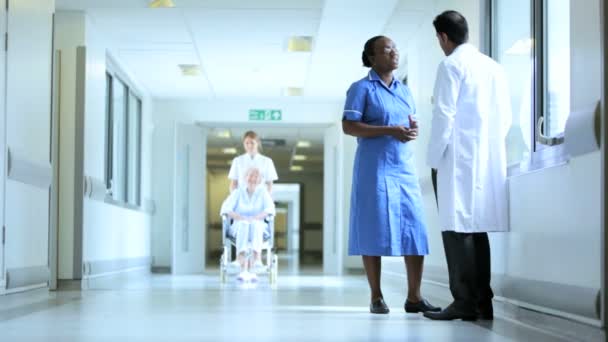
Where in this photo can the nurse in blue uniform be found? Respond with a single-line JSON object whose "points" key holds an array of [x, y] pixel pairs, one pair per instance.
{"points": [[386, 214]]}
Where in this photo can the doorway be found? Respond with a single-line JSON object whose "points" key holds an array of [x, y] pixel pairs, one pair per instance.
{"points": [[298, 156]]}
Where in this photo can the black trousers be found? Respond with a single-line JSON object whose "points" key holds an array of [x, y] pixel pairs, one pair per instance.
{"points": [[468, 259]]}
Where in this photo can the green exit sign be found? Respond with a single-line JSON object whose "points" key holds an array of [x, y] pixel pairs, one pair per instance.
{"points": [[265, 115]]}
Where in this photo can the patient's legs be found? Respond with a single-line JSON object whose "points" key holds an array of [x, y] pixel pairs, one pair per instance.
{"points": [[257, 239], [240, 230]]}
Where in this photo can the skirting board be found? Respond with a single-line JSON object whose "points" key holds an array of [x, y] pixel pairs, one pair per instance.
{"points": [[69, 285], [161, 269], [551, 323], [24, 288], [572, 300], [99, 268], [28, 172], [27, 276]]}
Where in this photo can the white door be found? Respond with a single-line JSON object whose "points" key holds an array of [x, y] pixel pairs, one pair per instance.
{"points": [[332, 201], [2, 138], [189, 215], [28, 139]]}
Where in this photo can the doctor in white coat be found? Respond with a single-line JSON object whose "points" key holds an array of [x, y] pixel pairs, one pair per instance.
{"points": [[471, 117]]}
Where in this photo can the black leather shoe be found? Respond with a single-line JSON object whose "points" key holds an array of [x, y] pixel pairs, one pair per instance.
{"points": [[422, 306], [378, 307], [485, 312], [450, 313]]}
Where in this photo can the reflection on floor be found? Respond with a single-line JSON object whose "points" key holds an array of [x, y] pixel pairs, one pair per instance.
{"points": [[303, 307]]}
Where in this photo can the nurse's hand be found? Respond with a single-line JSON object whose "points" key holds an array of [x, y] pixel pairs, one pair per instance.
{"points": [[404, 134], [412, 134], [235, 216], [413, 130]]}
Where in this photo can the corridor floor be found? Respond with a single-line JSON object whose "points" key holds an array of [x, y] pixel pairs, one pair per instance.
{"points": [[197, 308]]}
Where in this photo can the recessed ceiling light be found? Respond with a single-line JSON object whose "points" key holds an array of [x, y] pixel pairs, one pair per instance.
{"points": [[294, 91], [303, 144], [299, 44], [190, 69], [224, 134], [299, 157], [296, 168], [229, 150], [161, 4]]}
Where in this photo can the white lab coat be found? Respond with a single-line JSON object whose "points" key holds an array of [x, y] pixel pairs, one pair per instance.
{"points": [[471, 118]]}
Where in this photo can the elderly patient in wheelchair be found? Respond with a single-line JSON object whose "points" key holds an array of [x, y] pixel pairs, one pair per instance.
{"points": [[247, 207]]}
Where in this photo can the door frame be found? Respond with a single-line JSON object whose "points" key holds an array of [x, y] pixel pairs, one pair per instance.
{"points": [[54, 160], [3, 149], [333, 201], [176, 193], [604, 167]]}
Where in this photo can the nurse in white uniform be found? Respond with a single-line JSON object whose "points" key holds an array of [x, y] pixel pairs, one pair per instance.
{"points": [[252, 158]]}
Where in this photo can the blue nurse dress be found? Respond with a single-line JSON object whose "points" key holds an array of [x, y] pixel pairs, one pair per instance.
{"points": [[386, 214]]}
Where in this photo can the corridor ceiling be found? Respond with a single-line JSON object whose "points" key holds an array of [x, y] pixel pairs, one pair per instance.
{"points": [[241, 45]]}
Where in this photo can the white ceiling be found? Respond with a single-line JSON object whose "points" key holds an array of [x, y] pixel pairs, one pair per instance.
{"points": [[240, 44]]}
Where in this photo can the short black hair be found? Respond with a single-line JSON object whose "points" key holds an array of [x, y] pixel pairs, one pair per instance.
{"points": [[454, 25], [368, 50]]}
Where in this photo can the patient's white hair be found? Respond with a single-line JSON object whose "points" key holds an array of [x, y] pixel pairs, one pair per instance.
{"points": [[251, 170]]}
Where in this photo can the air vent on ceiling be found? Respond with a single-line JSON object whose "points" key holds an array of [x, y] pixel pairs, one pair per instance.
{"points": [[190, 69], [161, 4], [299, 44], [293, 91], [273, 142]]}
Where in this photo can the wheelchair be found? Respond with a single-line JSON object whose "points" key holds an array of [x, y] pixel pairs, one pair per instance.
{"points": [[229, 242]]}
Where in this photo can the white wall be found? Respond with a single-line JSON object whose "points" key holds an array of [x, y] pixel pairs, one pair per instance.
{"points": [[110, 232]]}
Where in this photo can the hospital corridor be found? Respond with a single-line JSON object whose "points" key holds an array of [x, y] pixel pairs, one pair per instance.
{"points": [[303, 170]]}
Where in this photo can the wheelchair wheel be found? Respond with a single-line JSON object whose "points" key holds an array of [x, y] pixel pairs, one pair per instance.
{"points": [[274, 269], [223, 275]]}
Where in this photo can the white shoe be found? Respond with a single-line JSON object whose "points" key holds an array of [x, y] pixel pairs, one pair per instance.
{"points": [[243, 276]]}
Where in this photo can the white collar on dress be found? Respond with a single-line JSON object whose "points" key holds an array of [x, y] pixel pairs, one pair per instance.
{"points": [[255, 156]]}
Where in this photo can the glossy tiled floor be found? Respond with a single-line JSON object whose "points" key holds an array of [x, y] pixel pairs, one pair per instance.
{"points": [[304, 307]]}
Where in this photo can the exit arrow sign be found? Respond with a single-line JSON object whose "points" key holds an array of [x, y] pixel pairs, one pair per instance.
{"points": [[265, 115]]}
